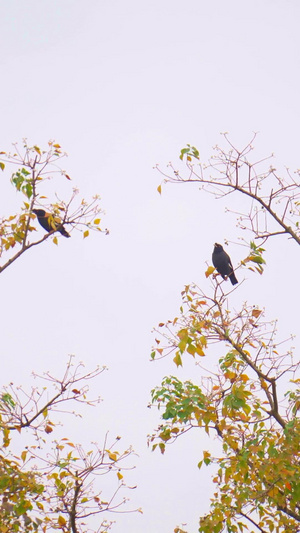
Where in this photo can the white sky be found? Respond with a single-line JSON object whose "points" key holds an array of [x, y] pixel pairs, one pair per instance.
{"points": [[123, 86]]}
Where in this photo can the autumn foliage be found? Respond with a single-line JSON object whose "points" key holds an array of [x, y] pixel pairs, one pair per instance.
{"points": [[52, 484], [250, 399], [34, 168]]}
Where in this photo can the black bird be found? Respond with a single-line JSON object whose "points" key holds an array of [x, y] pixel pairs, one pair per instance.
{"points": [[222, 263], [50, 222]]}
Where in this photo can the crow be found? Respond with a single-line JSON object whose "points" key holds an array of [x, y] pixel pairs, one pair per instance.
{"points": [[50, 222], [222, 263]]}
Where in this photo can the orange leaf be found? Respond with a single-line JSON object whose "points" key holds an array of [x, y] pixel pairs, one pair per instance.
{"points": [[256, 313], [244, 378]]}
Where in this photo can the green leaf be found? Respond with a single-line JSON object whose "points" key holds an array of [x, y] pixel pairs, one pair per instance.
{"points": [[25, 172], [27, 189], [7, 398], [257, 259], [184, 151]]}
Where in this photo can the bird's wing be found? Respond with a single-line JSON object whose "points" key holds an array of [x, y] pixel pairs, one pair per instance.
{"points": [[228, 260]]}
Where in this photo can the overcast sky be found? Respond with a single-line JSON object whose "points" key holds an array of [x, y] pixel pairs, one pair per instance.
{"points": [[122, 86]]}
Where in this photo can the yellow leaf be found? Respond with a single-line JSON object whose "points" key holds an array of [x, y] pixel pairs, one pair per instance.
{"points": [[159, 189], [177, 359], [119, 475], [86, 234], [55, 240], [112, 456], [6, 439], [97, 221], [37, 150], [2, 165], [23, 456], [203, 340], [199, 350], [230, 375], [191, 349], [273, 492], [61, 521], [209, 271], [263, 384], [182, 333]]}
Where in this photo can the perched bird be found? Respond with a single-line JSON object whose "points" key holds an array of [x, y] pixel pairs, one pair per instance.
{"points": [[222, 263], [50, 222]]}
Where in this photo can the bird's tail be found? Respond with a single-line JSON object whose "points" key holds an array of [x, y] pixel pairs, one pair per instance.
{"points": [[233, 279], [63, 232]]}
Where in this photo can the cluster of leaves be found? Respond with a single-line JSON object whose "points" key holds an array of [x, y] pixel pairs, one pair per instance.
{"points": [[240, 400], [42, 490], [258, 473], [51, 485], [35, 166], [20, 494], [273, 207]]}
